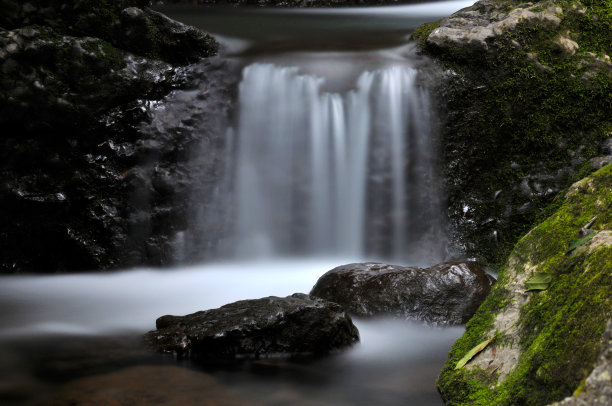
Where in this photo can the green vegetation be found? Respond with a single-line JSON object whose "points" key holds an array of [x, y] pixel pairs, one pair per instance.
{"points": [[529, 108], [422, 32], [526, 105], [559, 329]]}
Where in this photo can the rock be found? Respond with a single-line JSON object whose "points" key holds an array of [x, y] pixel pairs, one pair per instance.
{"points": [[605, 149], [473, 26], [445, 294], [545, 343], [128, 25], [66, 211], [599, 162], [295, 325], [152, 33], [567, 46], [597, 389], [80, 82], [146, 385], [504, 75]]}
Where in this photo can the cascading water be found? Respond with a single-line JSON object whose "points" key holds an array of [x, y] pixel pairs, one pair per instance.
{"points": [[324, 173], [310, 167]]}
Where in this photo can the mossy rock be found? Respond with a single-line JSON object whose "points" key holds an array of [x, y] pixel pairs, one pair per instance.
{"points": [[544, 342], [526, 110]]}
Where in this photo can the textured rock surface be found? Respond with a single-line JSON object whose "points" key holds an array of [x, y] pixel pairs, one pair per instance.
{"points": [[294, 325], [524, 96], [597, 389], [544, 342], [475, 25], [445, 294], [126, 24], [77, 169]]}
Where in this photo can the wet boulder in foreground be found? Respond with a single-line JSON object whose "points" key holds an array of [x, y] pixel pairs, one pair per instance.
{"points": [[445, 294], [295, 325]]}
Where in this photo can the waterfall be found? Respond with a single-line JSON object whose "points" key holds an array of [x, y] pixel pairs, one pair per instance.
{"points": [[320, 173]]}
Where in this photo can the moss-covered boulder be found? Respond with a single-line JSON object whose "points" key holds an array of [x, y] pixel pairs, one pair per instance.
{"points": [[545, 337], [527, 101]]}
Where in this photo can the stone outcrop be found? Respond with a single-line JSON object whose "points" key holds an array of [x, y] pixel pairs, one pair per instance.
{"points": [[445, 294], [475, 25], [523, 95], [78, 78], [292, 326], [129, 25], [544, 342]]}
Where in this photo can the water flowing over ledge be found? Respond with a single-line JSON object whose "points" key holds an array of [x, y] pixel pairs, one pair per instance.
{"points": [[319, 173]]}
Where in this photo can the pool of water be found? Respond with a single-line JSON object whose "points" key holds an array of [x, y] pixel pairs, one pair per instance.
{"points": [[60, 331], [75, 339]]}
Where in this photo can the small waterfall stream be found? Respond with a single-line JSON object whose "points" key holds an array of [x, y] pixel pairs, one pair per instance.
{"points": [[325, 173], [331, 158]]}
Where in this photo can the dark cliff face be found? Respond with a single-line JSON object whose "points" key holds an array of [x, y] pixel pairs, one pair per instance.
{"points": [[78, 78], [526, 94]]}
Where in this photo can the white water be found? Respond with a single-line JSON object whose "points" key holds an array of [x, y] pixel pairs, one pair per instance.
{"points": [[308, 162], [132, 300], [313, 155], [395, 362]]}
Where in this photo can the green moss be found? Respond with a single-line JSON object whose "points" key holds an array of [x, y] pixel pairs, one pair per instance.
{"points": [[560, 329], [421, 33], [513, 113]]}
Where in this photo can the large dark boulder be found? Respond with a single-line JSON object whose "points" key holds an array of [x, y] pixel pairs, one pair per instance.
{"points": [[86, 183], [295, 325], [445, 294]]}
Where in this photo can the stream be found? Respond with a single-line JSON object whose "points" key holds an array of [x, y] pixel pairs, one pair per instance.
{"points": [[333, 161]]}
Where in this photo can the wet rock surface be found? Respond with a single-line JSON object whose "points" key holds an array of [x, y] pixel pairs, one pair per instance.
{"points": [[78, 79], [295, 325], [445, 294], [126, 24], [509, 151]]}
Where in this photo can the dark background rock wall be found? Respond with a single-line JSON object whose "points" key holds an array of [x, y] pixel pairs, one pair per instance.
{"points": [[78, 78]]}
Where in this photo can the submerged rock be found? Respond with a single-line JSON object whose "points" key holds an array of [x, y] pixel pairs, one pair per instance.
{"points": [[445, 294], [150, 385], [473, 26], [295, 325]]}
